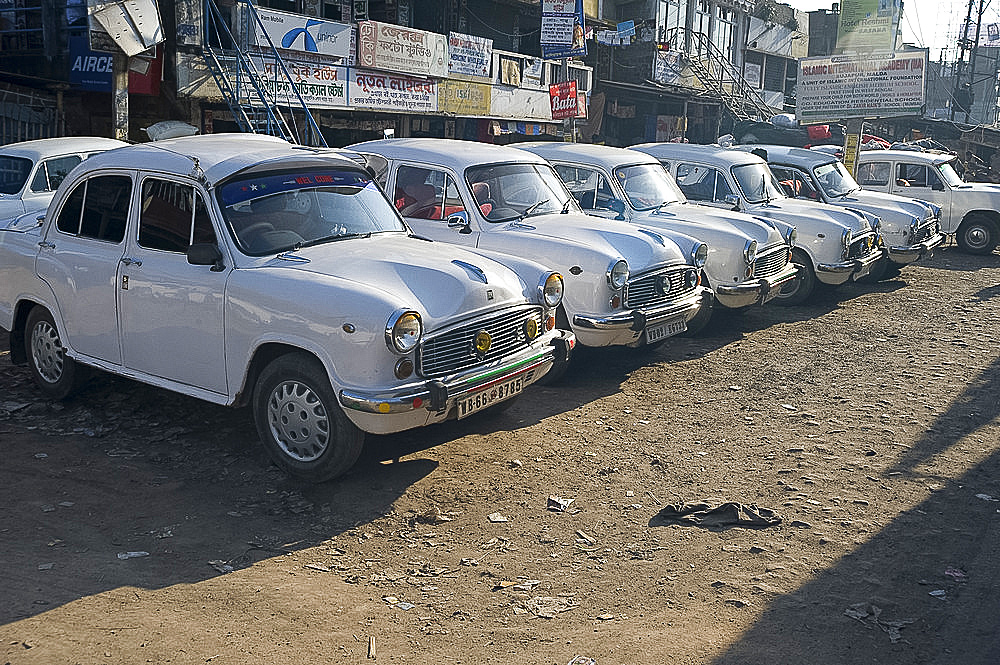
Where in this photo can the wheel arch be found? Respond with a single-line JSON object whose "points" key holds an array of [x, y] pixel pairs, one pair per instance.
{"points": [[263, 355], [22, 310], [992, 215]]}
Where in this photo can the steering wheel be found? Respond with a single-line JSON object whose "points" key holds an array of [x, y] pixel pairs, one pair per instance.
{"points": [[257, 228]]}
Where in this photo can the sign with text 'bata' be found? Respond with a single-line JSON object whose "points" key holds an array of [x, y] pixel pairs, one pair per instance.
{"points": [[839, 87], [562, 97]]}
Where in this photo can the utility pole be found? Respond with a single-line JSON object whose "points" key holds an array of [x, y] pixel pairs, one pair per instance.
{"points": [[963, 45], [972, 57]]}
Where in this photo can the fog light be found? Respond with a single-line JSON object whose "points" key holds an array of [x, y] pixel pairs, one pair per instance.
{"points": [[616, 302], [749, 270], [692, 279], [550, 323], [531, 329], [404, 368]]}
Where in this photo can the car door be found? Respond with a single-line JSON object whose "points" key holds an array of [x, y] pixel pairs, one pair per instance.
{"points": [[79, 259], [431, 202], [171, 312], [922, 181]]}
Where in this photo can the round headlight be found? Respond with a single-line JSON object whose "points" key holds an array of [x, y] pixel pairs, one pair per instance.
{"points": [[791, 235], [403, 331], [699, 255], [551, 289], [750, 251], [691, 278], [618, 274]]}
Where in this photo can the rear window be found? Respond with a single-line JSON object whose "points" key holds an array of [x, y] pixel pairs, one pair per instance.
{"points": [[14, 173]]}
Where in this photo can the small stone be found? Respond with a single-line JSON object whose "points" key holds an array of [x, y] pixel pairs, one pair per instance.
{"points": [[799, 524]]}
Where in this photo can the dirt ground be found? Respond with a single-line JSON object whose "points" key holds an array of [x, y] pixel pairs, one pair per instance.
{"points": [[868, 421]]}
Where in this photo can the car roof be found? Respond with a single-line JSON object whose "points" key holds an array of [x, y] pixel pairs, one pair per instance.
{"points": [[798, 156], [451, 153], [600, 155], [906, 155], [68, 145], [693, 151], [218, 155]]}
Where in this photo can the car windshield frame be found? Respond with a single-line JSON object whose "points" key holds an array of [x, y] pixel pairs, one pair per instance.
{"points": [[845, 178], [759, 172], [11, 164], [303, 207], [552, 196], [949, 175], [641, 199]]}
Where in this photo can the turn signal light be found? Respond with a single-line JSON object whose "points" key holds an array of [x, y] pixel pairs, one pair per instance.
{"points": [[550, 323]]}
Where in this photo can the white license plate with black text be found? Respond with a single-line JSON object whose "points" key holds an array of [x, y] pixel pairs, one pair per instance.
{"points": [[664, 330], [489, 396]]}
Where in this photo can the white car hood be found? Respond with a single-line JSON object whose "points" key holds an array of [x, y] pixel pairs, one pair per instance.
{"points": [[809, 216], [706, 223], [881, 202], [442, 281], [617, 239]]}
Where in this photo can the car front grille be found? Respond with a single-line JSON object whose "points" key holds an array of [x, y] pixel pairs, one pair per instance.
{"points": [[454, 350], [923, 233], [771, 263], [656, 288], [861, 246]]}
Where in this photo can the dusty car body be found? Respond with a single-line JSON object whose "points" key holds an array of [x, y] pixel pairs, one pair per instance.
{"points": [[624, 286], [910, 229], [242, 270], [31, 171], [749, 258], [969, 211], [833, 245]]}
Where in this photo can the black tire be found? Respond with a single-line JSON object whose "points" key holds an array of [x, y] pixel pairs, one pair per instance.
{"points": [[300, 421], [561, 365], [878, 271], [701, 320], [978, 234], [57, 375], [803, 286]]}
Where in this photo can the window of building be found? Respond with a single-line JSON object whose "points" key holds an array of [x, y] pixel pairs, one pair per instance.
{"points": [[674, 16], [724, 30]]}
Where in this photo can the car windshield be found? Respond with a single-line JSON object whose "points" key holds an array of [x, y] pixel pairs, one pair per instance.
{"points": [[757, 183], [835, 179], [648, 186], [949, 175], [269, 212], [13, 173], [518, 190]]}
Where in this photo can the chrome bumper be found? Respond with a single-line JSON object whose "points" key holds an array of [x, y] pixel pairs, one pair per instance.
{"points": [[854, 269], [755, 292], [638, 319], [440, 396], [908, 254]]}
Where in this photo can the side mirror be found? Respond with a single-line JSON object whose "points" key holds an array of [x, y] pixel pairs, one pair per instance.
{"points": [[618, 206], [459, 220], [206, 254], [733, 200]]}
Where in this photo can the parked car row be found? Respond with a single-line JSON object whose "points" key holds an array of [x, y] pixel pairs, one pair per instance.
{"points": [[405, 282]]}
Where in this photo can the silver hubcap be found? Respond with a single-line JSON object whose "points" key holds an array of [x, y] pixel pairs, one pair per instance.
{"points": [[298, 420], [47, 352], [790, 288], [976, 237]]}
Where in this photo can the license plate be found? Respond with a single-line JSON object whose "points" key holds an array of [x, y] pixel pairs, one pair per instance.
{"points": [[664, 330], [489, 396]]}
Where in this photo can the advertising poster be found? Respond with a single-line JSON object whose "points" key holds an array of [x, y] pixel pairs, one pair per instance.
{"points": [[868, 25], [388, 92], [563, 29], [464, 98], [395, 48], [563, 100], [321, 86], [469, 55], [294, 32]]}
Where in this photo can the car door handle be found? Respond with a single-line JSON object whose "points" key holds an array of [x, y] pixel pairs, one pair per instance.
{"points": [[132, 262], [47, 245]]}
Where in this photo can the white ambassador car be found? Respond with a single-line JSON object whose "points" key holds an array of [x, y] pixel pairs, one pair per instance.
{"points": [[910, 228], [31, 171], [243, 270], [624, 285], [833, 245], [749, 258]]}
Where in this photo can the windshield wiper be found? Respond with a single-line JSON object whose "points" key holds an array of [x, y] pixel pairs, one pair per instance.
{"points": [[330, 238], [530, 209], [565, 208]]}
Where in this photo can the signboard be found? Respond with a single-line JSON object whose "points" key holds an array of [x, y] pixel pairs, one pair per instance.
{"points": [[464, 98], [294, 32], [838, 87], [387, 92], [563, 100], [321, 86], [469, 55], [868, 25], [399, 49], [563, 29], [91, 70], [520, 104], [852, 145]]}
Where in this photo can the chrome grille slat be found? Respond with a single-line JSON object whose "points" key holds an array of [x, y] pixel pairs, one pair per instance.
{"points": [[451, 351], [771, 263], [641, 291]]}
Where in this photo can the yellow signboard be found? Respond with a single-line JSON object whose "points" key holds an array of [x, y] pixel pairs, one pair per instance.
{"points": [[852, 143], [464, 98]]}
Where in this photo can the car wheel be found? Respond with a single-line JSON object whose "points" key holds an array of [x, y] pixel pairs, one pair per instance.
{"points": [[978, 235], [560, 365], [800, 289], [704, 316], [300, 421], [878, 271], [56, 374]]}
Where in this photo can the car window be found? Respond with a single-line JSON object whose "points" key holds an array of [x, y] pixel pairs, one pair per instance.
{"points": [[588, 186], [51, 173], [426, 193], [521, 189], [97, 208], [795, 183], [756, 182], [911, 175], [873, 174], [379, 165], [268, 211], [702, 183], [173, 217], [647, 186], [14, 173]]}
